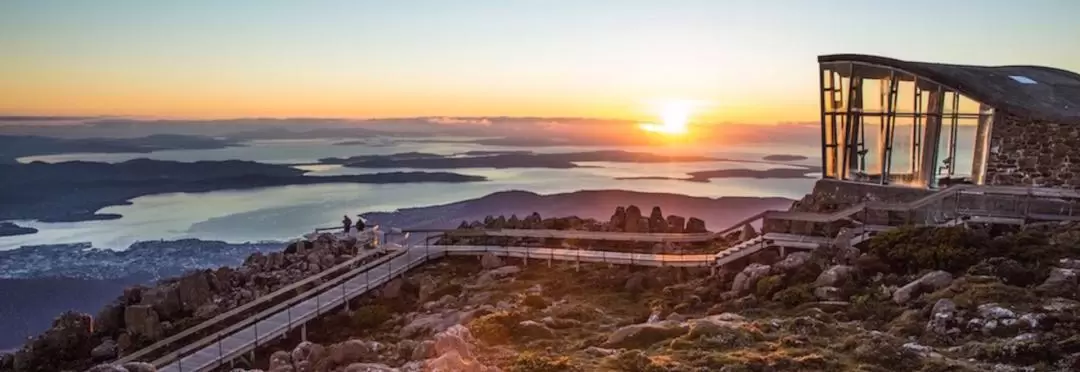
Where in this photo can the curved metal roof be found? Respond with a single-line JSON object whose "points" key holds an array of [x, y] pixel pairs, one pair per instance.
{"points": [[1034, 92]]}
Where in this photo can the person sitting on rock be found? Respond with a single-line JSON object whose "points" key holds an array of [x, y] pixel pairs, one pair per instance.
{"points": [[348, 223]]}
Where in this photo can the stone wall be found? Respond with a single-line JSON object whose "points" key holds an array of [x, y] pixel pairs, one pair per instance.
{"points": [[1029, 153]]}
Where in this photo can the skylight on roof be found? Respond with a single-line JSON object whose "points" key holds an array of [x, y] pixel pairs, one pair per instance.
{"points": [[1023, 79]]}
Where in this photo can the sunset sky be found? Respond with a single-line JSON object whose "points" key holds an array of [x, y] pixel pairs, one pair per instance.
{"points": [[745, 61]]}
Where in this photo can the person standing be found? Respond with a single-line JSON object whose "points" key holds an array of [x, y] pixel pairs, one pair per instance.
{"points": [[348, 223], [360, 224]]}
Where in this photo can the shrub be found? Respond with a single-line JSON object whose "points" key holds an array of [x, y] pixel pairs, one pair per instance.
{"points": [[633, 361], [534, 301], [909, 250], [531, 362], [370, 316], [495, 328], [795, 295], [768, 285]]}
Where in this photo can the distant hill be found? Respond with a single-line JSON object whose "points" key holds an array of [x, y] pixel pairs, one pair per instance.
{"points": [[718, 213], [14, 147]]}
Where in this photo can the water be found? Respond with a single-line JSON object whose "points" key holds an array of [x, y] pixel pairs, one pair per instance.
{"points": [[280, 213]]}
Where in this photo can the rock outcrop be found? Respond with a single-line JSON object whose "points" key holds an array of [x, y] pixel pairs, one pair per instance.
{"points": [[143, 314]]}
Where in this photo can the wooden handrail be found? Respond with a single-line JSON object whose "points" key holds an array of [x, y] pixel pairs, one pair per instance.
{"points": [[141, 353], [209, 339]]}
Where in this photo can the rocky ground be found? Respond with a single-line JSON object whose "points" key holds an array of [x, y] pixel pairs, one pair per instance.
{"points": [[144, 314], [915, 299]]}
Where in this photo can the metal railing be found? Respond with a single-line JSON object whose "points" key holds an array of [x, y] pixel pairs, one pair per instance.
{"points": [[154, 350]]}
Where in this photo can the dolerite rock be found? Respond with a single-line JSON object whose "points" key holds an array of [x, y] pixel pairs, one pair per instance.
{"points": [[67, 339], [105, 351], [747, 233], [746, 279], [633, 219], [143, 321], [534, 221], [930, 282], [489, 222], [676, 224], [476, 225], [500, 223], [657, 223], [514, 222], [618, 220], [194, 290], [464, 225], [110, 319], [695, 225]]}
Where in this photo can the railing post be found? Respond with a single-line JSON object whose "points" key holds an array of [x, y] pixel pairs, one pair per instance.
{"points": [[318, 305], [221, 353], [344, 301]]}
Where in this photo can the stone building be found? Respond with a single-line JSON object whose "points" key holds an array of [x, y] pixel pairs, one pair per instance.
{"points": [[929, 125]]}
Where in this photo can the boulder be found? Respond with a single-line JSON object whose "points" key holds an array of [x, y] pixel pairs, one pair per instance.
{"points": [[1060, 282], [194, 290], [746, 279], [533, 330], [676, 224], [835, 276], [944, 323], [424, 350], [490, 261], [280, 359], [307, 351], [514, 222], [791, 262], [657, 223], [351, 351], [107, 368], [828, 294], [930, 282], [747, 233], [533, 221], [143, 321], [639, 336], [633, 220], [449, 343], [110, 319], [695, 226], [105, 351]]}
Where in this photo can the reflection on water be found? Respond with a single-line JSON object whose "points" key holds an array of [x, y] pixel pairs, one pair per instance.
{"points": [[280, 213]]}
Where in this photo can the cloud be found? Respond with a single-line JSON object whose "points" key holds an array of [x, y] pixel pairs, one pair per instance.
{"points": [[460, 121]]}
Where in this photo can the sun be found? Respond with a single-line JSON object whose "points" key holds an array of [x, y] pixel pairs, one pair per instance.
{"points": [[674, 116]]}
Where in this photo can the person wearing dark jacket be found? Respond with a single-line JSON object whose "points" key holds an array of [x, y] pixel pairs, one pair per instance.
{"points": [[360, 224], [347, 222]]}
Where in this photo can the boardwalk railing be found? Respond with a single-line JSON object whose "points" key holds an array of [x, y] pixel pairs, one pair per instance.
{"points": [[162, 346]]}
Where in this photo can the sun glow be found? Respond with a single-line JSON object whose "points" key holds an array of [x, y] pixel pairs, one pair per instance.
{"points": [[674, 116]]}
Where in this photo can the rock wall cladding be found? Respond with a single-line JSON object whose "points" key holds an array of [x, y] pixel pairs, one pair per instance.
{"points": [[1031, 153]]}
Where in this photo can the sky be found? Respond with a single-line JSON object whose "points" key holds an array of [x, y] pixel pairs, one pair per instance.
{"points": [[744, 61]]}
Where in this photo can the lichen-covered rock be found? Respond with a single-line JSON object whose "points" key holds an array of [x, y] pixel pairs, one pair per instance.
{"points": [[676, 224], [633, 220], [791, 262], [491, 261], [835, 276], [695, 226], [643, 335], [746, 279], [1060, 282], [657, 223], [930, 282], [143, 321]]}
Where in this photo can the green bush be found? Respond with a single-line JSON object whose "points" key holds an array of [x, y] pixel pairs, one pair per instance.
{"points": [[495, 328], [768, 285], [370, 316], [909, 250], [795, 295], [532, 362]]}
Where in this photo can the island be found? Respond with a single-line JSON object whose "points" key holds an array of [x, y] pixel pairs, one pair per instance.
{"points": [[14, 147], [11, 229], [784, 157], [75, 191], [516, 159], [705, 176]]}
